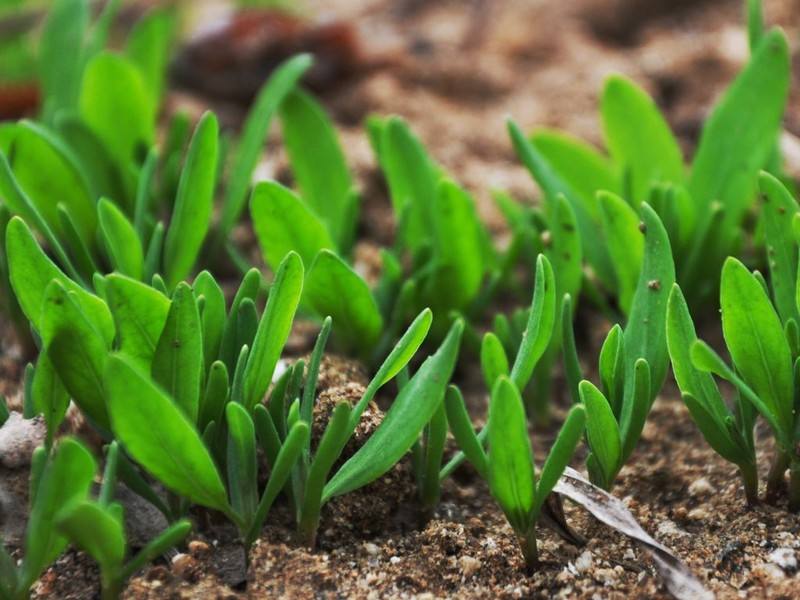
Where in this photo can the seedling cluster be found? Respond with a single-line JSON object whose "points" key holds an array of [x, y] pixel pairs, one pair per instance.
{"points": [[114, 270]]}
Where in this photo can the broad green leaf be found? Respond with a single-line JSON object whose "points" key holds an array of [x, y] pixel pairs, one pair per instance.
{"points": [[552, 185], [148, 47], [579, 164], [413, 408], [494, 362], [739, 137], [95, 531], [602, 431], [539, 328], [241, 460], [213, 315], [31, 151], [193, 203], [273, 329], [458, 249], [67, 478], [283, 223], [511, 469], [139, 312], [645, 333], [50, 398], [333, 288], [31, 271], [755, 340], [77, 350], [115, 103], [560, 454], [178, 357], [697, 384], [625, 244], [61, 58], [159, 436], [638, 137], [714, 432], [565, 249], [412, 177], [120, 239], [779, 209], [319, 165], [254, 133]]}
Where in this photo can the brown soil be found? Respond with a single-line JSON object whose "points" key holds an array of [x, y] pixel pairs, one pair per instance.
{"points": [[455, 70]]}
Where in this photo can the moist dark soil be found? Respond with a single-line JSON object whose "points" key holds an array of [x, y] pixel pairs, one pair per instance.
{"points": [[456, 70]]}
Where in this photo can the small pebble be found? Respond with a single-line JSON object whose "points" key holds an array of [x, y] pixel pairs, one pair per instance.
{"points": [[394, 560], [469, 565], [371, 549], [584, 562], [701, 487], [198, 548], [785, 558]]}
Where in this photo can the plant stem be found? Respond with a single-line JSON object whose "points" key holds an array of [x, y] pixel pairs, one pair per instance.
{"points": [[776, 483], [794, 485], [527, 543], [749, 474]]}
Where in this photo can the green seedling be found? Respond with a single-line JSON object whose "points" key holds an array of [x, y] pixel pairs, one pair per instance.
{"points": [[761, 335], [633, 362], [58, 480], [97, 527], [418, 401], [703, 210]]}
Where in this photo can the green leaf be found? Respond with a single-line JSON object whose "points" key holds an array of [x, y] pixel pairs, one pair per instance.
{"points": [[254, 133], [572, 365], [213, 315], [283, 223], [539, 328], [411, 176], [463, 431], [457, 249], [248, 288], [178, 358], [30, 271], [334, 289], [403, 351], [739, 137], [565, 253], [241, 460], [50, 398], [602, 432], [112, 87], [697, 384], [779, 209], [77, 350], [216, 395], [494, 362], [638, 137], [120, 239], [645, 333], [148, 47], [32, 150], [319, 165], [67, 478], [139, 314], [193, 203], [755, 340], [511, 469], [159, 436], [552, 185], [61, 60], [273, 329], [625, 244], [581, 166], [714, 432], [405, 419], [560, 454], [95, 531]]}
